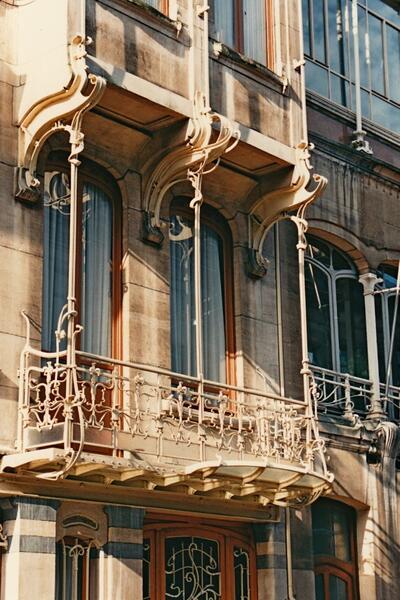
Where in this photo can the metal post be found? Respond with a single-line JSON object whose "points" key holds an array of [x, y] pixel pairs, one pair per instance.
{"points": [[368, 281], [359, 142]]}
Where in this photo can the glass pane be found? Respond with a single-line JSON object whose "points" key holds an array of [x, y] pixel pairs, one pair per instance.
{"points": [[376, 51], [341, 534], [318, 250], [363, 45], [96, 288], [192, 569], [365, 104], [146, 569], [55, 255], [319, 30], [351, 327], [242, 573], [385, 114], [323, 542], [306, 27], [337, 37], [317, 79], [340, 90], [182, 301], [340, 262], [224, 21], [380, 333], [319, 587], [183, 333], [213, 305], [393, 59], [384, 10], [318, 317], [254, 32], [337, 588], [154, 3]]}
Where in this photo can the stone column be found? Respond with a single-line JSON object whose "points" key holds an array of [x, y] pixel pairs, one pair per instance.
{"points": [[271, 560], [124, 553], [29, 564], [369, 280]]}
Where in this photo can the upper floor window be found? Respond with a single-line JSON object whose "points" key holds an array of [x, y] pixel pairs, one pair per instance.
{"points": [[161, 5], [385, 311], [182, 562], [245, 25], [334, 526], [334, 31], [335, 311], [97, 263], [216, 295]]}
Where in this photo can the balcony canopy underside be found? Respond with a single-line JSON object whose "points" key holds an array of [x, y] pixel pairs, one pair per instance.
{"points": [[241, 483]]}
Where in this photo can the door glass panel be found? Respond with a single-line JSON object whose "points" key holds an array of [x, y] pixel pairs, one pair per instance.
{"points": [[318, 317], [319, 587], [337, 588], [351, 327], [192, 569], [242, 573]]}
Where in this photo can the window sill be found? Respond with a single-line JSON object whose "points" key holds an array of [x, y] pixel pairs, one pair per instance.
{"points": [[151, 17], [246, 66]]}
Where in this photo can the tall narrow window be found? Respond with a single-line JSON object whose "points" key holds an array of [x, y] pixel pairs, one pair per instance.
{"points": [[215, 296], [334, 551], [385, 309], [330, 47], [96, 265], [335, 311], [245, 25]]}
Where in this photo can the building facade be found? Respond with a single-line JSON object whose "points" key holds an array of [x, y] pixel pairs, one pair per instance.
{"points": [[199, 364]]}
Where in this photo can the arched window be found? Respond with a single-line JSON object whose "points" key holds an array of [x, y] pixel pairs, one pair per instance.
{"points": [[335, 311], [216, 294], [385, 305], [183, 561], [334, 527], [97, 263]]}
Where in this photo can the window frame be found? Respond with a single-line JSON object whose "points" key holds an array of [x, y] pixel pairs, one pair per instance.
{"points": [[215, 221], [238, 31], [90, 173], [327, 565], [227, 537], [333, 276]]}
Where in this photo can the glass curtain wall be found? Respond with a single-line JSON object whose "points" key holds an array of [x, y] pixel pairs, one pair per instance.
{"points": [[330, 46]]}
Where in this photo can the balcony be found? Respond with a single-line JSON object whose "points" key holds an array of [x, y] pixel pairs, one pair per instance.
{"points": [[348, 398], [98, 420]]}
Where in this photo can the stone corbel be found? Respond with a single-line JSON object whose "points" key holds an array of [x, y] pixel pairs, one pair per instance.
{"points": [[181, 162], [275, 205], [61, 111]]}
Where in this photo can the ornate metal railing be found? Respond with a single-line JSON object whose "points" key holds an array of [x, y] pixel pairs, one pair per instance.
{"points": [[124, 408], [345, 396]]}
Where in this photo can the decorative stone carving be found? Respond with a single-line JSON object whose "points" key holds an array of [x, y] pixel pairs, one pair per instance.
{"points": [[62, 111], [275, 205], [184, 161]]}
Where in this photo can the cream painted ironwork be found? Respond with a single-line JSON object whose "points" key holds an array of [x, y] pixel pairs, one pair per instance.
{"points": [[76, 568]]}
